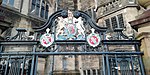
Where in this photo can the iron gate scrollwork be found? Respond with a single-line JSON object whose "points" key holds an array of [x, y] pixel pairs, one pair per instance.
{"points": [[124, 65], [68, 40]]}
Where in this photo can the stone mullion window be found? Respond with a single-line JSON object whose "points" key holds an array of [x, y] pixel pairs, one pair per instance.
{"points": [[108, 24], [5, 1], [114, 22], [33, 5], [46, 11], [117, 19], [11, 2], [42, 14], [120, 20], [40, 8]]}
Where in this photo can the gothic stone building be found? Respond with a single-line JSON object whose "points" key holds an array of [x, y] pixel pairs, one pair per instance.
{"points": [[23, 14], [33, 16]]}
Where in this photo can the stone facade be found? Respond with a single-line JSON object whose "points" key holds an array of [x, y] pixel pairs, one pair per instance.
{"points": [[22, 15], [142, 25], [106, 10], [102, 10], [19, 14]]}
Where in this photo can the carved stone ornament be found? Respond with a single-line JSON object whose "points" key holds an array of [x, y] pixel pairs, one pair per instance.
{"points": [[47, 39], [93, 39]]}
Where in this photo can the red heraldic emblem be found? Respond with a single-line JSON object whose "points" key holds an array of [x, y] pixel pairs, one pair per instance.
{"points": [[93, 39], [47, 39]]}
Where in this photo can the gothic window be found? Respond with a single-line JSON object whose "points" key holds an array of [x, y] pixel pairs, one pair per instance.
{"points": [[120, 20], [8, 2], [4, 1], [37, 7], [108, 24], [46, 12], [40, 8], [33, 4], [11, 2], [115, 22]]}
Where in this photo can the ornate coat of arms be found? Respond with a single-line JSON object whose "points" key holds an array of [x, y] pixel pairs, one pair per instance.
{"points": [[70, 28]]}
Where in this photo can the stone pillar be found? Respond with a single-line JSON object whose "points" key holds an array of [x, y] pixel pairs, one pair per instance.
{"points": [[145, 46], [142, 25], [41, 66], [48, 65]]}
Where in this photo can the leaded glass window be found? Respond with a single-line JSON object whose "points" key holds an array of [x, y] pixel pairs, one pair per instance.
{"points": [[46, 12], [40, 8], [115, 22], [33, 5], [11, 2], [8, 2], [108, 24], [120, 19]]}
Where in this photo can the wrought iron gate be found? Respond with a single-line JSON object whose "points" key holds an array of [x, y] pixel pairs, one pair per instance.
{"points": [[19, 54]]}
